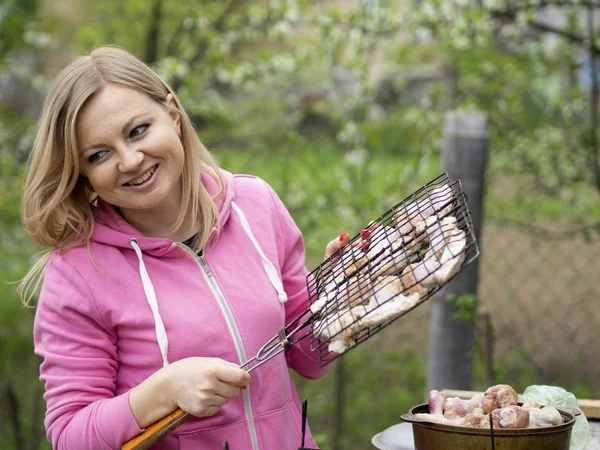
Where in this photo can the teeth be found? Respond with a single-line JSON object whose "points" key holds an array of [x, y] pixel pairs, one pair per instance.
{"points": [[143, 178]]}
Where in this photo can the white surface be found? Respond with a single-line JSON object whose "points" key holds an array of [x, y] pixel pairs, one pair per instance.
{"points": [[396, 437]]}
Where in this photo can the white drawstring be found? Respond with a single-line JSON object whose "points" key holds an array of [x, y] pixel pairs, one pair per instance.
{"points": [[268, 265], [161, 334]]}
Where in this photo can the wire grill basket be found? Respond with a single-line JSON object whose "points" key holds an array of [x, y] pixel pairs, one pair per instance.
{"points": [[395, 264]]}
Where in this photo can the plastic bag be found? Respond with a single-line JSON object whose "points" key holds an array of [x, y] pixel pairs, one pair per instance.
{"points": [[560, 398]]}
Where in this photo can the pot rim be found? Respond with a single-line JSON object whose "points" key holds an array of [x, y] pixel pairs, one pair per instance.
{"points": [[568, 418]]}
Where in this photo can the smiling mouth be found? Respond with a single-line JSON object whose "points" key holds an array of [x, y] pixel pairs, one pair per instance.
{"points": [[143, 178]]}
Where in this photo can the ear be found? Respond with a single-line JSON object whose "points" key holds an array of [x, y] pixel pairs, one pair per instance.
{"points": [[174, 112]]}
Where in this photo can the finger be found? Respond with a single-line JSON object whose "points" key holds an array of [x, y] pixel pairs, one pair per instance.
{"points": [[226, 390], [367, 235], [336, 244], [233, 375]]}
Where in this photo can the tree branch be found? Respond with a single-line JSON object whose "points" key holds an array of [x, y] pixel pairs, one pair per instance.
{"points": [[14, 411], [545, 28], [515, 8], [153, 34], [218, 25], [593, 99], [174, 41]]}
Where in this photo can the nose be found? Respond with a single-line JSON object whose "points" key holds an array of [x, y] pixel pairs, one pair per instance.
{"points": [[130, 159]]}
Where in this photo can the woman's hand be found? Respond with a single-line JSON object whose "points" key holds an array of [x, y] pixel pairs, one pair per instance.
{"points": [[336, 244], [199, 386]]}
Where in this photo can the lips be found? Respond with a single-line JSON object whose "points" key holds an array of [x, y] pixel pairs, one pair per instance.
{"points": [[143, 178]]}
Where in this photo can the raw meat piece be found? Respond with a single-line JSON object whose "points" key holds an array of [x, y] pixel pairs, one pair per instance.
{"points": [[440, 262], [381, 240], [386, 304], [511, 417], [499, 396], [532, 404], [455, 408], [439, 201], [392, 256], [433, 418], [436, 403], [357, 291], [476, 421], [352, 260], [322, 301], [546, 416], [333, 323], [338, 346], [499, 400]]}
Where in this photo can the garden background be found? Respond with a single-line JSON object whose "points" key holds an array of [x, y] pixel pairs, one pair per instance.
{"points": [[340, 105]]}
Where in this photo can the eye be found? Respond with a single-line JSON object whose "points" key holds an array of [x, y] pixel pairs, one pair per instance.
{"points": [[139, 130], [96, 157]]}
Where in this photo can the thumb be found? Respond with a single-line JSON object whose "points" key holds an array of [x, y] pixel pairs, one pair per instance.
{"points": [[336, 244]]}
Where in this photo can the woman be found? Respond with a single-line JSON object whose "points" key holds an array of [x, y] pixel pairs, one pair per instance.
{"points": [[164, 273]]}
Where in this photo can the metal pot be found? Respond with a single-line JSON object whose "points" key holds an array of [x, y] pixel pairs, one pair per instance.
{"points": [[433, 436]]}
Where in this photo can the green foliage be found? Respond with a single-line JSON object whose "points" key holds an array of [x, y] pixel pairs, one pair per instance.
{"points": [[295, 92], [20, 390], [465, 304], [374, 399], [15, 16]]}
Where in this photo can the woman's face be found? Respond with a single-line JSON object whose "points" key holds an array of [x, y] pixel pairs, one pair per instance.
{"points": [[130, 151]]}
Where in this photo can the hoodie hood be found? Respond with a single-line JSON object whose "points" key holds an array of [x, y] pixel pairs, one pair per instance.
{"points": [[112, 229]]}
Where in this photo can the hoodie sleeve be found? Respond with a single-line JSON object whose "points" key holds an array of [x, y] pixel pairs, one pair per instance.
{"points": [[293, 272], [79, 366]]}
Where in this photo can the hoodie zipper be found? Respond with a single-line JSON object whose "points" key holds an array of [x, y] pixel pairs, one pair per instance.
{"points": [[235, 333]]}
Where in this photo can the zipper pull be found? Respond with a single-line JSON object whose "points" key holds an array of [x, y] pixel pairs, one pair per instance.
{"points": [[205, 265]]}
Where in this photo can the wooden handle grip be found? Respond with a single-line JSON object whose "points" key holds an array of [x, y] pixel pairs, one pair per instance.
{"points": [[158, 430]]}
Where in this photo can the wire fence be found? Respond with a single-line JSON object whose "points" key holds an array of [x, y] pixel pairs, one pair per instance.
{"points": [[541, 290]]}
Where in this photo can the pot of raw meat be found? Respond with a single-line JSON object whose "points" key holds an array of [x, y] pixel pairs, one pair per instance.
{"points": [[486, 423]]}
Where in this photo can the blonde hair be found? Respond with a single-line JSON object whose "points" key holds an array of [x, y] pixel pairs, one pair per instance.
{"points": [[56, 209]]}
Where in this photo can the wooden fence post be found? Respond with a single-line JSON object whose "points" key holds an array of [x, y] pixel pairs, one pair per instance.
{"points": [[451, 340]]}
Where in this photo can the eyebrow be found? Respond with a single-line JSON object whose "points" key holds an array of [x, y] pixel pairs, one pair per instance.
{"points": [[123, 130]]}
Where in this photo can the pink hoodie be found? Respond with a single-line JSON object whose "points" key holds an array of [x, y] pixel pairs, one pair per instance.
{"points": [[98, 336]]}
